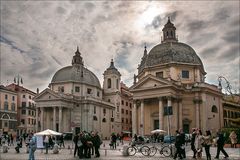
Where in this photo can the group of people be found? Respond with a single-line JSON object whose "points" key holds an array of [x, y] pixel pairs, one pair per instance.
{"points": [[6, 139], [87, 144], [200, 141]]}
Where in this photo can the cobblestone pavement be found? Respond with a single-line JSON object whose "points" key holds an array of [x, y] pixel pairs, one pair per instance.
{"points": [[105, 151]]}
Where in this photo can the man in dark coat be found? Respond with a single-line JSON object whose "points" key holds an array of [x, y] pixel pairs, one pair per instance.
{"points": [[183, 141], [96, 144], [75, 140], [220, 144], [178, 144], [192, 143]]}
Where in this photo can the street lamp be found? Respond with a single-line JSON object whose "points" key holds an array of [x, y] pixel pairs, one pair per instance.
{"points": [[228, 87]]}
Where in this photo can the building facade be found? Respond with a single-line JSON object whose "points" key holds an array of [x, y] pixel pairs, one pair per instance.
{"points": [[169, 91], [74, 102], [231, 111], [26, 109], [118, 93], [8, 111]]}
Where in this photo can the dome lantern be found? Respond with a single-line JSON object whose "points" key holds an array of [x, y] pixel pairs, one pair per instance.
{"points": [[169, 32], [77, 59]]}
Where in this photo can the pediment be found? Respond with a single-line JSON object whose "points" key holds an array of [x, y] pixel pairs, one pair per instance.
{"points": [[47, 94], [150, 81]]}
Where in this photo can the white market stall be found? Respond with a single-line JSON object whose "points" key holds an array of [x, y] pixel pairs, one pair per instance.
{"points": [[47, 132]]}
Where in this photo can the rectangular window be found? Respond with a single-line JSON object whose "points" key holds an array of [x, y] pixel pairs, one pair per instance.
{"points": [[126, 120], [130, 105], [98, 93], [29, 112], [30, 97], [13, 98], [122, 120], [77, 89], [89, 91], [23, 111], [112, 113], [23, 96], [122, 111], [94, 110], [104, 111], [29, 104], [122, 102], [185, 74], [23, 104], [126, 111], [23, 121], [5, 105], [6, 96], [13, 106], [29, 120], [126, 103], [130, 113], [159, 74]]}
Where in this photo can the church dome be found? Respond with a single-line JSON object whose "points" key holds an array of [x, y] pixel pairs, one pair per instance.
{"points": [[76, 73], [170, 51]]}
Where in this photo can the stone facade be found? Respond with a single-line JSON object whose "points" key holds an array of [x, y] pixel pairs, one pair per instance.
{"points": [[169, 91], [8, 111]]}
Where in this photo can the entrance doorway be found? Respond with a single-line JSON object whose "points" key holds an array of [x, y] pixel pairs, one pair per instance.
{"points": [[156, 124], [186, 128]]}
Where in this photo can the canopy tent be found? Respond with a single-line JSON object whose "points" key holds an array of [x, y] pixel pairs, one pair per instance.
{"points": [[158, 131], [48, 132]]}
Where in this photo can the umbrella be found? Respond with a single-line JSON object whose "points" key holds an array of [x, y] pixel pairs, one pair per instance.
{"points": [[48, 132], [158, 131]]}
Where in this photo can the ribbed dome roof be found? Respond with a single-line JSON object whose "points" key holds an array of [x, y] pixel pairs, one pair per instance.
{"points": [[170, 52], [74, 74]]}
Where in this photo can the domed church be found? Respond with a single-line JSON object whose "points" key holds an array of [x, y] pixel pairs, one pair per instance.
{"points": [[170, 91], [76, 102]]}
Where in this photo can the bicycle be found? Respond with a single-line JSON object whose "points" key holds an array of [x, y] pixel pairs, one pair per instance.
{"points": [[132, 150], [164, 150]]}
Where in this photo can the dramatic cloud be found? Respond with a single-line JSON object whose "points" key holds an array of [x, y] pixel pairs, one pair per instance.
{"points": [[38, 38]]}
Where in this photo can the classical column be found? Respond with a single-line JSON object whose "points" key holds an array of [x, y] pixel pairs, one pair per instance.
{"points": [[169, 104], [180, 114], [197, 112], [41, 121], [60, 119], [160, 105], [36, 122], [54, 118], [142, 117], [134, 122]]}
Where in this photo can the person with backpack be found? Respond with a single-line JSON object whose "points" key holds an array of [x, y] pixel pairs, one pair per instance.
{"points": [[32, 147], [220, 145]]}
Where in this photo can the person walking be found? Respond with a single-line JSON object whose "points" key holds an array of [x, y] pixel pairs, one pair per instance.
{"points": [[193, 148], [114, 141], [32, 147], [198, 143], [178, 146], [233, 137], [75, 140], [96, 144], [207, 144], [46, 143], [220, 145], [183, 141]]}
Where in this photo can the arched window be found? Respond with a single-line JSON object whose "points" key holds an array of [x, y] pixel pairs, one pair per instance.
{"points": [[171, 33], [104, 120], [214, 109], [167, 33], [117, 83], [109, 83], [5, 105], [95, 118]]}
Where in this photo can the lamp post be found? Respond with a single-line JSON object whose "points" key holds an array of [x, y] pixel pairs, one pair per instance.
{"points": [[228, 87]]}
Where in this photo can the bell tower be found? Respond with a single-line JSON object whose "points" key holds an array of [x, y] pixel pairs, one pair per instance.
{"points": [[112, 79], [169, 32]]}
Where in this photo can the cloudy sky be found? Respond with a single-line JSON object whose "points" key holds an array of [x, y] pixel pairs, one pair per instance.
{"points": [[39, 38]]}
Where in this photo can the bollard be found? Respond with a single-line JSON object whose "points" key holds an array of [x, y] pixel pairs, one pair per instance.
{"points": [[105, 152], [103, 144]]}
